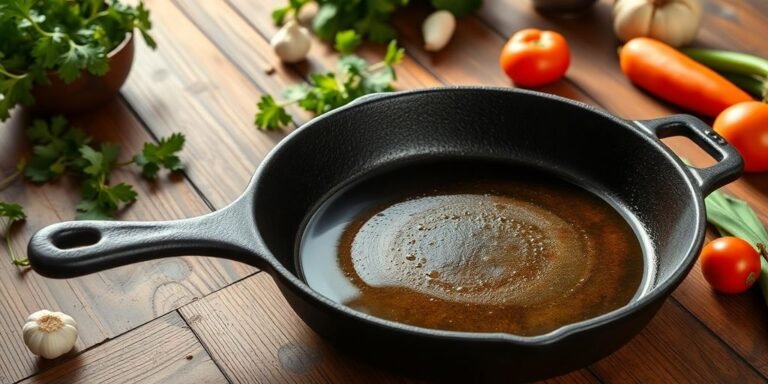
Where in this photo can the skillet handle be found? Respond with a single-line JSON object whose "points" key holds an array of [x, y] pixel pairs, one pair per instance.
{"points": [[77, 248], [729, 162]]}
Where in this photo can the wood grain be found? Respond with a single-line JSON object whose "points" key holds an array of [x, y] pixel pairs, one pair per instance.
{"points": [[189, 85], [111, 302], [162, 351], [256, 338], [673, 349]]}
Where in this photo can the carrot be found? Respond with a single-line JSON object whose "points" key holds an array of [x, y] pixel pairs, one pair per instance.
{"points": [[673, 76]]}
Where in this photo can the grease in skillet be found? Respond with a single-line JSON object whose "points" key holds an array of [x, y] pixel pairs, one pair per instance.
{"points": [[477, 247]]}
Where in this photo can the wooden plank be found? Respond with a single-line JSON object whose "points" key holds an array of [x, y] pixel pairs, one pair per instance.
{"points": [[254, 335], [596, 71], [674, 349], [188, 85], [112, 302], [162, 351]]}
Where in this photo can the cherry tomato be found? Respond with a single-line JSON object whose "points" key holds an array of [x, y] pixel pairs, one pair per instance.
{"points": [[745, 126], [533, 57], [730, 264]]}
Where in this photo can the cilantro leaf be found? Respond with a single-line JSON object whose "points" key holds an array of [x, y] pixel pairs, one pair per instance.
{"points": [[162, 154], [271, 115], [12, 212], [56, 149], [347, 41], [102, 201], [13, 90], [395, 55], [79, 57], [99, 163], [353, 78]]}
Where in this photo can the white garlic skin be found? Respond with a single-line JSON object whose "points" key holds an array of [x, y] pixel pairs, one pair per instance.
{"points": [[438, 29], [50, 334], [292, 42], [675, 22]]}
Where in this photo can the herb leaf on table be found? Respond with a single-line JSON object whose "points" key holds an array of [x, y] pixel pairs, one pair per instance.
{"points": [[354, 77], [11, 213]]}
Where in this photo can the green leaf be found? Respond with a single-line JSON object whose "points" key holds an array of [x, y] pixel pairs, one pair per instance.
{"points": [[278, 15], [352, 64], [99, 163], [380, 81], [395, 55], [79, 57], [162, 154], [380, 31], [347, 41], [458, 7], [101, 201], [271, 115], [296, 92], [325, 23], [144, 24], [12, 212]]}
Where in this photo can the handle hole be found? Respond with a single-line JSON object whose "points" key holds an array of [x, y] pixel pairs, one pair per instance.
{"points": [[687, 149], [76, 238]]}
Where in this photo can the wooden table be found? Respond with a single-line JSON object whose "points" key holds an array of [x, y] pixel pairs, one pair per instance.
{"points": [[202, 320]]}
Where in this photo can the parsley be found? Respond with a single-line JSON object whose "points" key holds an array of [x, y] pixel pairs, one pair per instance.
{"points": [[11, 213], [65, 36], [347, 41], [368, 19], [161, 155], [59, 150], [353, 78]]}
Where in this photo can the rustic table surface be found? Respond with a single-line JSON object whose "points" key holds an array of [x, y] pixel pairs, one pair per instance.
{"points": [[202, 320]]}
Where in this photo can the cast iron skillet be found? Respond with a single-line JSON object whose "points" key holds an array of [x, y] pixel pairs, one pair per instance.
{"points": [[624, 161]]}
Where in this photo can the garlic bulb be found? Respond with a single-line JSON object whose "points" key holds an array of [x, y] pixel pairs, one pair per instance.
{"points": [[50, 334], [438, 29], [675, 22], [292, 42]]}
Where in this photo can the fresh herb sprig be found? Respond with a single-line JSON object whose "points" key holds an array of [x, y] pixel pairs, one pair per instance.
{"points": [[65, 36], [734, 217], [10, 214], [353, 78], [59, 149], [366, 20]]}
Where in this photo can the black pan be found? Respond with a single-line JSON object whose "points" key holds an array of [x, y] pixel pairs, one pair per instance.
{"points": [[622, 160]]}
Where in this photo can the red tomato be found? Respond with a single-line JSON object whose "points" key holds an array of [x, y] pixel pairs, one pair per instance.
{"points": [[730, 264], [533, 57], [745, 126]]}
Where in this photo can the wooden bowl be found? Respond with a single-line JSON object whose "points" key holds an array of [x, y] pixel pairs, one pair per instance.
{"points": [[88, 91]]}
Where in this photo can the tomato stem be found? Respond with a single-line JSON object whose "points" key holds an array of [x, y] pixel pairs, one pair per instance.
{"points": [[763, 250]]}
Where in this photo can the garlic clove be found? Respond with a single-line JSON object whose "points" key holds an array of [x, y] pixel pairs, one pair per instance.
{"points": [[50, 334], [632, 19], [438, 29], [668, 27], [292, 42]]}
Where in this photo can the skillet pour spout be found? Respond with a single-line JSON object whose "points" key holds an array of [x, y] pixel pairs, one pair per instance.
{"points": [[623, 162]]}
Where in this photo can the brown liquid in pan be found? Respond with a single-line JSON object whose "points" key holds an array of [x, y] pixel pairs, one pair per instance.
{"points": [[491, 250]]}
